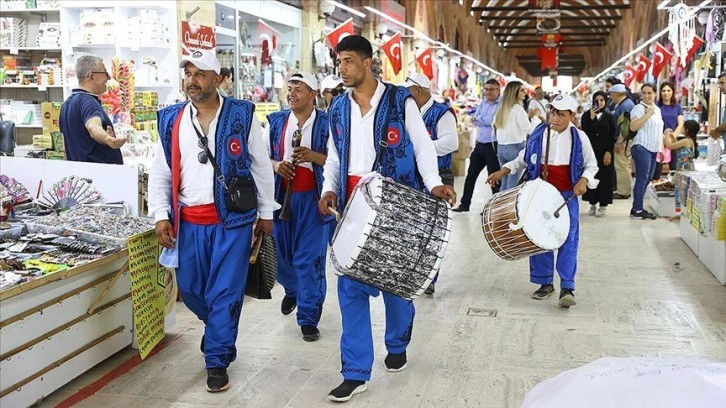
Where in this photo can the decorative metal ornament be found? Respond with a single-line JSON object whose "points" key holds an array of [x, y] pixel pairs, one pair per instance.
{"points": [[681, 31]]}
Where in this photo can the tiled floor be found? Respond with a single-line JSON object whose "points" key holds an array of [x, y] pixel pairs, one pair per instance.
{"points": [[640, 292]]}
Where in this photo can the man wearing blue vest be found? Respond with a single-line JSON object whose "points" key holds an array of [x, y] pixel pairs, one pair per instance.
{"points": [[375, 123], [571, 168], [441, 124], [302, 240], [209, 146]]}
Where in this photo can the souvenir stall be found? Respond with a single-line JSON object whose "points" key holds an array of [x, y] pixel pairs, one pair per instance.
{"points": [[79, 274]]}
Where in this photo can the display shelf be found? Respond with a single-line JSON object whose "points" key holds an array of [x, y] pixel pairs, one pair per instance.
{"points": [[161, 47], [152, 85], [38, 87], [19, 12], [11, 49], [31, 126], [94, 46]]}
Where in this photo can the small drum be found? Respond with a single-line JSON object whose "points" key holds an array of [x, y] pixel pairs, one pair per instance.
{"points": [[520, 222], [391, 237]]}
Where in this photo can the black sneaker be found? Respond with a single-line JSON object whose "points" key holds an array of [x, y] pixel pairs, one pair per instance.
{"points": [[643, 215], [543, 292], [431, 289], [217, 379], [346, 390], [395, 362], [461, 208], [567, 298], [310, 333], [288, 305]]}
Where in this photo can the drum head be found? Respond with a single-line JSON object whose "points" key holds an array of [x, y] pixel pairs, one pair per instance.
{"points": [[536, 205], [352, 232]]}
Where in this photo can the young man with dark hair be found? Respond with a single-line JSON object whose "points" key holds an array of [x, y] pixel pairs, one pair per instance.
{"points": [[371, 113]]}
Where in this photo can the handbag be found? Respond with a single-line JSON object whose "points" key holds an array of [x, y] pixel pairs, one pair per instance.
{"points": [[263, 267], [241, 194]]}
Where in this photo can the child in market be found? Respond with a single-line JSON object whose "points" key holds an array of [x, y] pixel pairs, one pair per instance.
{"points": [[686, 149]]}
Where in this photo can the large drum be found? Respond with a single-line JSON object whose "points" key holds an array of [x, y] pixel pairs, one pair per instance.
{"points": [[520, 222], [391, 237]]}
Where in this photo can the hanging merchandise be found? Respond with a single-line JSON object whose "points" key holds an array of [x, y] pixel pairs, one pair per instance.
{"points": [[340, 32], [643, 66], [681, 31], [716, 25], [660, 59], [268, 40], [697, 43], [548, 56], [630, 74], [392, 48], [426, 62]]}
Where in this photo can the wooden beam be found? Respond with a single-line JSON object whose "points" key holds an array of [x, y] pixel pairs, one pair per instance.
{"points": [[562, 8], [562, 18], [563, 42], [532, 46], [562, 27]]}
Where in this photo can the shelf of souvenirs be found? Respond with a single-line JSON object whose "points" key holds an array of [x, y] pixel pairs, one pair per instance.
{"points": [[15, 50], [15, 12]]}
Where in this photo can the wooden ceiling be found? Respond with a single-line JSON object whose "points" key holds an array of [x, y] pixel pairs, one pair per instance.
{"points": [[584, 23]]}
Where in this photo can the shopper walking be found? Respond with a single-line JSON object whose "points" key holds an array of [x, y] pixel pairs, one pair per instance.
{"points": [[623, 170], [511, 124], [210, 179], [645, 118], [602, 131]]}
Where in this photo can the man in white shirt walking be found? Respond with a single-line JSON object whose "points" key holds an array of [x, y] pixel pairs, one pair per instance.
{"points": [[202, 184]]}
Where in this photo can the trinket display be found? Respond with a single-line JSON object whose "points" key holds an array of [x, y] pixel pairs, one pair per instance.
{"points": [[18, 193], [97, 220], [69, 192]]}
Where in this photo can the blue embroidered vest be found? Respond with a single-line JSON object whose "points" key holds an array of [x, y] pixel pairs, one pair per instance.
{"points": [[397, 160], [533, 153], [278, 124], [231, 151], [431, 120]]}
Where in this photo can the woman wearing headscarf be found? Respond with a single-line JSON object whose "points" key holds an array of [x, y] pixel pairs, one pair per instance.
{"points": [[602, 130]]}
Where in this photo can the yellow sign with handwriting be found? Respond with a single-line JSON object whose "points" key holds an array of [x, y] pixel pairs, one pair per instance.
{"points": [[262, 109]]}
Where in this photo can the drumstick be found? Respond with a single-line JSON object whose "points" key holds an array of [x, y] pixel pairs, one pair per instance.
{"points": [[256, 247], [335, 212], [557, 211]]}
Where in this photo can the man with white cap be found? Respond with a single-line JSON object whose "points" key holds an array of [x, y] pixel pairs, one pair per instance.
{"points": [[210, 180], [440, 122], [331, 87], [621, 104], [571, 167], [302, 238]]}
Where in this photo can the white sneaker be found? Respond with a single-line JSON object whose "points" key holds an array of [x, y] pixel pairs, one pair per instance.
{"points": [[593, 208], [601, 212]]}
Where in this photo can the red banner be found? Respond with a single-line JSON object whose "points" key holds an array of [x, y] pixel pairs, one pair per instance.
{"points": [[697, 43], [392, 48], [197, 37], [630, 74], [340, 32], [661, 58], [643, 66], [551, 40], [426, 62], [548, 57]]}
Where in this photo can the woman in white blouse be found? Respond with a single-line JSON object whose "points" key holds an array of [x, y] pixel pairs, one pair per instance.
{"points": [[645, 118], [511, 124]]}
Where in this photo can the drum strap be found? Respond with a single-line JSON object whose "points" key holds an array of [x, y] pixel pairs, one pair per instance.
{"points": [[383, 145], [545, 171]]}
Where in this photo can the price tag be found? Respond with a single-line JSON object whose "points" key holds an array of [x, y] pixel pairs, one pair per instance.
{"points": [[14, 51], [41, 88]]}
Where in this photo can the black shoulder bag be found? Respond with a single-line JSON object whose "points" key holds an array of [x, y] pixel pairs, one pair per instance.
{"points": [[241, 195]]}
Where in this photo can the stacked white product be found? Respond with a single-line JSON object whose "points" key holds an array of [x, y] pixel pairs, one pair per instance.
{"points": [[49, 35], [13, 32], [97, 27], [146, 30], [47, 4]]}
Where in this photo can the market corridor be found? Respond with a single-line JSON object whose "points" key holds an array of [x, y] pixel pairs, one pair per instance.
{"points": [[640, 292]]}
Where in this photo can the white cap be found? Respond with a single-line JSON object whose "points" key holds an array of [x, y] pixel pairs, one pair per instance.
{"points": [[618, 88], [202, 59], [417, 80], [564, 102], [306, 78], [330, 82]]}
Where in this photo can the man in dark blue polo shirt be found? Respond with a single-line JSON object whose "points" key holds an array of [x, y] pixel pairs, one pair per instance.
{"points": [[87, 130]]}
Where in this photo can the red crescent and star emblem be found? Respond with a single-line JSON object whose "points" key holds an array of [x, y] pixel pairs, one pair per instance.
{"points": [[235, 147], [393, 136]]}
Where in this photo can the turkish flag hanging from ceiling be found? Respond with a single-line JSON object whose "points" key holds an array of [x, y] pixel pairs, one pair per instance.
{"points": [[426, 62], [642, 70], [697, 42], [548, 57], [630, 74], [392, 48], [660, 59], [340, 32]]}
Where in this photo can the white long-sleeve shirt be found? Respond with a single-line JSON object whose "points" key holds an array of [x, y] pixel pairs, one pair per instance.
{"points": [[448, 138], [193, 189], [362, 151], [560, 151], [292, 126], [516, 128]]}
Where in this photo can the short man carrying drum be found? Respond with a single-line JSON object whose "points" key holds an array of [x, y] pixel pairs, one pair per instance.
{"points": [[571, 168], [374, 124], [301, 233], [441, 124]]}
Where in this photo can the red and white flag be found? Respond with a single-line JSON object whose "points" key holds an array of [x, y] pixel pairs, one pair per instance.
{"points": [[661, 58], [392, 48], [630, 74], [340, 32], [268, 39], [697, 43], [426, 62], [642, 69]]}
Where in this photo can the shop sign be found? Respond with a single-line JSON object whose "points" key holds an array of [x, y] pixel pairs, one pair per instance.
{"points": [[148, 290], [544, 7], [262, 109], [394, 10], [197, 37]]}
